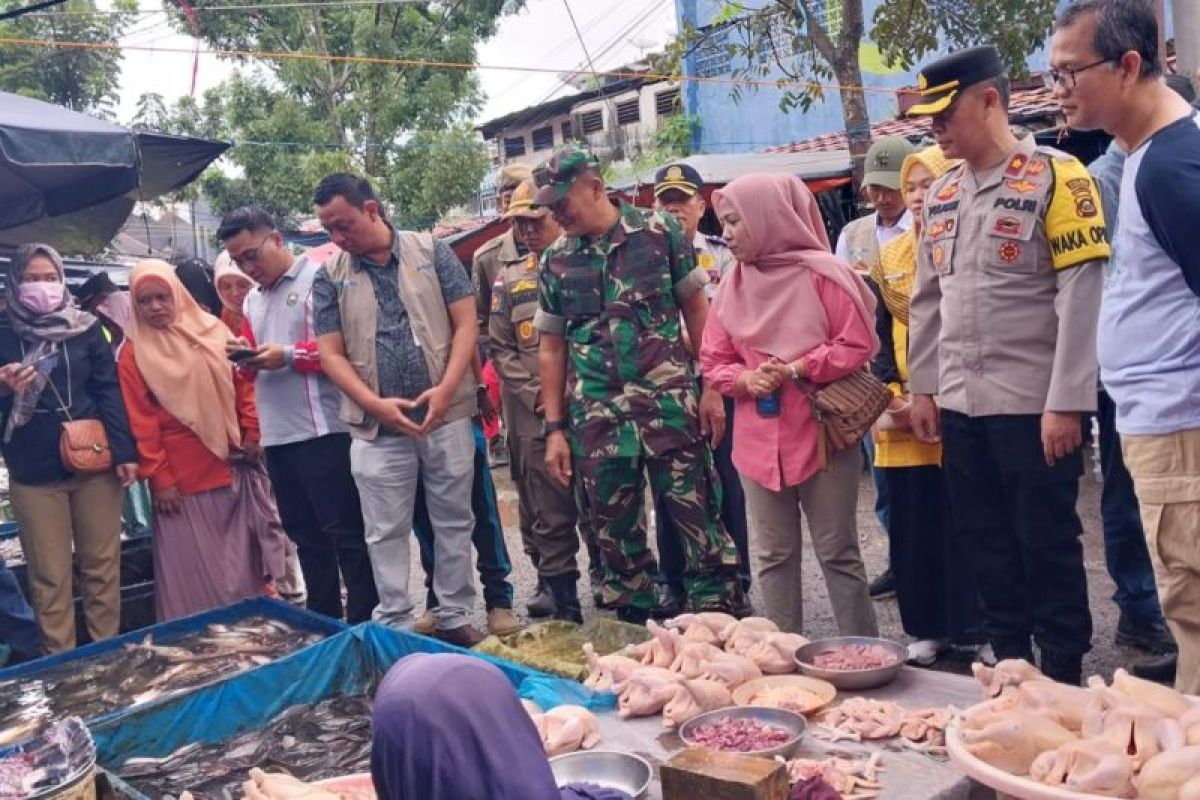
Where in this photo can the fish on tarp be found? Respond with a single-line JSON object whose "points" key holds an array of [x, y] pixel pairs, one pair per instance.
{"points": [[142, 672], [308, 741]]}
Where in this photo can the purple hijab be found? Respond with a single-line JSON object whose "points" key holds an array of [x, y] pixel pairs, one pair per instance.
{"points": [[450, 727]]}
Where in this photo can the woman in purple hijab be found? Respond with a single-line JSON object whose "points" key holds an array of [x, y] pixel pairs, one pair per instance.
{"points": [[450, 727]]}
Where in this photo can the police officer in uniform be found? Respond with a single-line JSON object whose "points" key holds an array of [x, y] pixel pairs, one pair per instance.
{"points": [[612, 292], [1003, 335], [513, 346], [677, 191]]}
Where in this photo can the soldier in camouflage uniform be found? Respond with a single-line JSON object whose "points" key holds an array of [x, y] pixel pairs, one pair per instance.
{"points": [[551, 540], [611, 292]]}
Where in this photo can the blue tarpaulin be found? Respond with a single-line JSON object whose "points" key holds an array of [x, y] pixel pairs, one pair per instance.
{"points": [[351, 662], [259, 606]]}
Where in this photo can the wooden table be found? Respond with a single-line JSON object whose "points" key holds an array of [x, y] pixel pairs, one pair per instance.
{"points": [[907, 775]]}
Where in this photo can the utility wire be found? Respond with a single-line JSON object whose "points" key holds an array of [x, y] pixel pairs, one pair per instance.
{"points": [[26, 10], [436, 64], [258, 7]]}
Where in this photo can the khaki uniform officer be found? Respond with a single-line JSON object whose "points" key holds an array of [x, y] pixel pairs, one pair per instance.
{"points": [[1003, 332], [513, 346], [496, 253]]}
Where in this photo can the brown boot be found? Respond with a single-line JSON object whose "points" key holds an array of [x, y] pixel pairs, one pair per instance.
{"points": [[463, 636]]}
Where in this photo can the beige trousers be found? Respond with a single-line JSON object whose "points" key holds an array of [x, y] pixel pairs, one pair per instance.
{"points": [[81, 514], [1166, 475], [829, 501]]}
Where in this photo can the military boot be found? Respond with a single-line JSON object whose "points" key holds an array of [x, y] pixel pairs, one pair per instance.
{"points": [[542, 603], [566, 597]]}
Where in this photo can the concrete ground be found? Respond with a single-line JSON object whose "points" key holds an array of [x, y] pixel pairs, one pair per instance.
{"points": [[1103, 659]]}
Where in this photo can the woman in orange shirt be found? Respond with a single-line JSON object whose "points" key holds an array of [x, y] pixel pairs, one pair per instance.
{"points": [[232, 287], [194, 421]]}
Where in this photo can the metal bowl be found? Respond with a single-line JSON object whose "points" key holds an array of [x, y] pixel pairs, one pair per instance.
{"points": [[793, 723], [624, 772], [851, 679]]}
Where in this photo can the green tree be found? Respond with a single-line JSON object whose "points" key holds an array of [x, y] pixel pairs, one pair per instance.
{"points": [[817, 42], [299, 116], [84, 80]]}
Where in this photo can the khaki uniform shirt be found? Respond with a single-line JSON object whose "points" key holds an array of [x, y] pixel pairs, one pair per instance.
{"points": [[1009, 276], [513, 344], [485, 266]]}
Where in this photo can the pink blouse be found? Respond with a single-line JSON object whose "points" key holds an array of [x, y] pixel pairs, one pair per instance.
{"points": [[775, 452]]}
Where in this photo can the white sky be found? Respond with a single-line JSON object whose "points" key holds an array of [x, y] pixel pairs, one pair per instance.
{"points": [[615, 31]]}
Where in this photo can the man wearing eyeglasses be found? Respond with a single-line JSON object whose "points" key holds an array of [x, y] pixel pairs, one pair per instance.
{"points": [[1149, 343], [1002, 356], [306, 445]]}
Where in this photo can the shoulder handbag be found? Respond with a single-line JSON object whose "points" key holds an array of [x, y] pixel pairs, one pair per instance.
{"points": [[82, 443], [845, 409]]}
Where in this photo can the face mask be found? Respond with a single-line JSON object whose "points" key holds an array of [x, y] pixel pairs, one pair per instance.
{"points": [[41, 297]]}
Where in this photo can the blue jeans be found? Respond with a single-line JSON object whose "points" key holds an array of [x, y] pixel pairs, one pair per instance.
{"points": [[1125, 551], [882, 506], [17, 627]]}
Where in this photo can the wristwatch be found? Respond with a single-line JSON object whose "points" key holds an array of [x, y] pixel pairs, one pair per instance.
{"points": [[481, 388], [549, 426]]}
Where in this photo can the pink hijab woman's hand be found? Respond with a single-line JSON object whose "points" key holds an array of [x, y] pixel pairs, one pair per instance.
{"points": [[712, 416]]}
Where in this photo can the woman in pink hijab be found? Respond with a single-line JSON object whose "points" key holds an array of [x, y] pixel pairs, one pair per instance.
{"points": [[790, 310]]}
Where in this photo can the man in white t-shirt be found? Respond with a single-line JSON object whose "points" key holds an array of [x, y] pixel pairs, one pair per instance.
{"points": [[1105, 66]]}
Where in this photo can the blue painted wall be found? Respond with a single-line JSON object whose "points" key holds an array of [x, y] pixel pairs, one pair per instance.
{"points": [[755, 121]]}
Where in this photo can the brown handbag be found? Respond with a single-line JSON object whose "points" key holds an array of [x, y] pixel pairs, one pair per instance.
{"points": [[846, 409], [82, 443]]}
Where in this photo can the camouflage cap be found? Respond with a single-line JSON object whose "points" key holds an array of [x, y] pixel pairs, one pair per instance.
{"points": [[556, 177], [521, 204]]}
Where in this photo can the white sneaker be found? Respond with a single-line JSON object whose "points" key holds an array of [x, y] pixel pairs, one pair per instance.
{"points": [[985, 655], [924, 652]]}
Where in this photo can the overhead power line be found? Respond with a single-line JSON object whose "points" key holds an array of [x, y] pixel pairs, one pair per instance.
{"points": [[26, 10], [436, 64]]}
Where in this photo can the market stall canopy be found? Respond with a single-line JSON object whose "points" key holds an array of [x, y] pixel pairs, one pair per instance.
{"points": [[71, 180]]}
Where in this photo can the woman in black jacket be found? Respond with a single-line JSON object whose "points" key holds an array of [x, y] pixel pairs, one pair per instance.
{"points": [[58, 366]]}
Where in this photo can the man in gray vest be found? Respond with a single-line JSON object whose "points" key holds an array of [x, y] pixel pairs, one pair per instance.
{"points": [[858, 245], [396, 329], [307, 445]]}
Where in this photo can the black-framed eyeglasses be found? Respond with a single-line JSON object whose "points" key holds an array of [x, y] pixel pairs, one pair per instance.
{"points": [[1068, 77], [251, 256]]}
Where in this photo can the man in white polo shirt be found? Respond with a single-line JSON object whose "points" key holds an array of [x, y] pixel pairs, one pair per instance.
{"points": [[1105, 64], [307, 446]]}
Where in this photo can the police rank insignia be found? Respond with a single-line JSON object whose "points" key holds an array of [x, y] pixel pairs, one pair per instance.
{"points": [[1009, 252], [1036, 168], [1016, 167]]}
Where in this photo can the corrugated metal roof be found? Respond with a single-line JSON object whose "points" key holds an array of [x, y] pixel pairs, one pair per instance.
{"points": [[1025, 105]]}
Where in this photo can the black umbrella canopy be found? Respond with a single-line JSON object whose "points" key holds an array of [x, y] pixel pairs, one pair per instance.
{"points": [[71, 180]]}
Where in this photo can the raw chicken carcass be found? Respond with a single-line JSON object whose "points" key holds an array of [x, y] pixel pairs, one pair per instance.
{"points": [[731, 669], [775, 653], [692, 657], [1066, 705], [1173, 775], [660, 650], [1091, 766], [711, 624], [567, 728], [1010, 672], [645, 692], [1130, 725], [739, 636], [1012, 740], [607, 671], [1162, 699], [692, 698]]}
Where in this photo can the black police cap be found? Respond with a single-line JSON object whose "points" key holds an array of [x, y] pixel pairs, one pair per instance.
{"points": [[941, 81], [683, 177]]}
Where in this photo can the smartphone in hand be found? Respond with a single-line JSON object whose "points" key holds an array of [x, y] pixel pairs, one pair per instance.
{"points": [[241, 355]]}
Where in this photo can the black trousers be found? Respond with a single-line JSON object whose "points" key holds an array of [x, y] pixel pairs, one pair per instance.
{"points": [[733, 514], [319, 507], [1016, 520], [936, 595]]}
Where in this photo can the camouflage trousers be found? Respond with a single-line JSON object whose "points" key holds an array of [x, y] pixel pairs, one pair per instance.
{"points": [[691, 493]]}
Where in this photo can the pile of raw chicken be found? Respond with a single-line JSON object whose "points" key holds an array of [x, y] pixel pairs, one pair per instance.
{"points": [[861, 719], [1131, 738], [692, 664]]}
